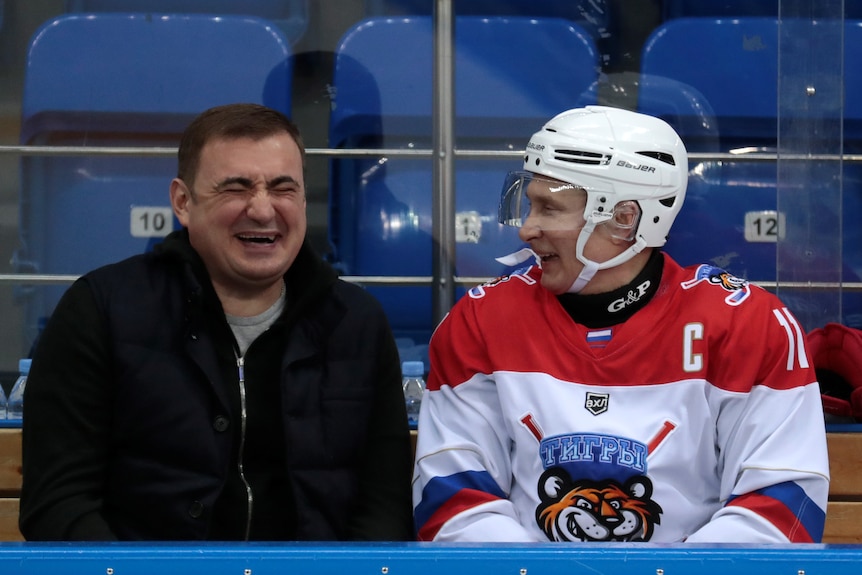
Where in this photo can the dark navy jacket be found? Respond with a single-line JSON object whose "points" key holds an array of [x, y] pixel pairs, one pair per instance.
{"points": [[133, 426]]}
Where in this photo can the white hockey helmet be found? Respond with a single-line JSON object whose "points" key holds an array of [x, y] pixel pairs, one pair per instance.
{"points": [[617, 157]]}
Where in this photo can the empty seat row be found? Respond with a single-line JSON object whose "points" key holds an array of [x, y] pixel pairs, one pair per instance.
{"points": [[714, 80], [290, 16], [130, 80], [753, 85], [510, 75], [133, 79]]}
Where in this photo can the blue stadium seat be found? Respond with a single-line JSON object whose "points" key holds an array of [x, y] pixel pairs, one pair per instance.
{"points": [[289, 15], [124, 80], [715, 81], [730, 94], [594, 16], [511, 75], [721, 90]]}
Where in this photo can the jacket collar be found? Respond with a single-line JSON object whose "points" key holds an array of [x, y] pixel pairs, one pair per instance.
{"points": [[307, 280]]}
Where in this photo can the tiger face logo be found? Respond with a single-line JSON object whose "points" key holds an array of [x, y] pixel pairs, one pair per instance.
{"points": [[727, 281], [587, 510]]}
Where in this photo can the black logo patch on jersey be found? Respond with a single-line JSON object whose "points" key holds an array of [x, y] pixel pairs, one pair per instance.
{"points": [[597, 403]]}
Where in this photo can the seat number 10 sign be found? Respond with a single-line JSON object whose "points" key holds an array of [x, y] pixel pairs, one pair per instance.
{"points": [[151, 221]]}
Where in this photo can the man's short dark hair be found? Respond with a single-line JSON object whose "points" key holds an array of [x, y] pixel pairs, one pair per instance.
{"points": [[231, 121]]}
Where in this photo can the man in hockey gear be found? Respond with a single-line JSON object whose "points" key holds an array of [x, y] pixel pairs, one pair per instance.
{"points": [[606, 393]]}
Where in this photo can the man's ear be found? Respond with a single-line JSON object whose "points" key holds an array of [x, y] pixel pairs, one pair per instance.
{"points": [[180, 198]]}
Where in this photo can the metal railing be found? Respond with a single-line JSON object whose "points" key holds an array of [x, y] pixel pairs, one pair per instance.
{"points": [[444, 153], [440, 279]]}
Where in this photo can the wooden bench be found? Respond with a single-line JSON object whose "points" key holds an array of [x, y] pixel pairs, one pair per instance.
{"points": [[10, 483], [843, 515], [844, 509]]}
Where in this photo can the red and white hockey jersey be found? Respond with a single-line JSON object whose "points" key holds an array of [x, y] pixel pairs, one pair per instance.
{"points": [[698, 419]]}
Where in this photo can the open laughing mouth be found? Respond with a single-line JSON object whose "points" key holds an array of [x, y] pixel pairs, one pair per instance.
{"points": [[255, 239]]}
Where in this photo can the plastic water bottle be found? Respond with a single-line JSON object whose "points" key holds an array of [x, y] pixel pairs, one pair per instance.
{"points": [[15, 406], [2, 403], [413, 385]]}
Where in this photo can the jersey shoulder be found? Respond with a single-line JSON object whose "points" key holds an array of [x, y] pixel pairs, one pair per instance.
{"points": [[713, 287], [502, 303], [521, 285]]}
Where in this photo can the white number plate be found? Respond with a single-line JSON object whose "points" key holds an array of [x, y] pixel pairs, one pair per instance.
{"points": [[468, 227], [765, 226], [151, 221]]}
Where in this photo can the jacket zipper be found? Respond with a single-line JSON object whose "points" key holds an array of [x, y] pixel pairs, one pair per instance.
{"points": [[240, 363]]}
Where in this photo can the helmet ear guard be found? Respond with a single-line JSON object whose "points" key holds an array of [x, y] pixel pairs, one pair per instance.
{"points": [[624, 223]]}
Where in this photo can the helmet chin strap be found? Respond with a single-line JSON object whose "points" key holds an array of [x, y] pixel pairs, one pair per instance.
{"points": [[587, 273], [590, 267]]}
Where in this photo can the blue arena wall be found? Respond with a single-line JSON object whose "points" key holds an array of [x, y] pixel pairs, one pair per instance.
{"points": [[429, 558]]}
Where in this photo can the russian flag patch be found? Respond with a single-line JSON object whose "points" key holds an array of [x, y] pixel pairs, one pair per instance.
{"points": [[599, 337]]}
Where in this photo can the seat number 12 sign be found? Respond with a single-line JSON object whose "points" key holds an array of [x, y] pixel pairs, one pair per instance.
{"points": [[764, 226]]}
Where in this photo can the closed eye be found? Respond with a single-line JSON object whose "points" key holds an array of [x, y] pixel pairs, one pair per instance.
{"points": [[283, 185], [281, 190], [235, 185]]}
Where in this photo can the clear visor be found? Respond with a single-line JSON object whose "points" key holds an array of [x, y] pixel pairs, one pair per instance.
{"points": [[528, 195], [514, 204], [520, 186]]}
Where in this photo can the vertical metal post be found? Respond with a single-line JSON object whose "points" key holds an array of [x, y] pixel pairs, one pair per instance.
{"points": [[443, 181]]}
